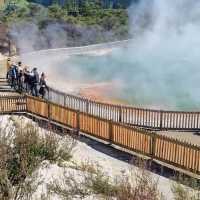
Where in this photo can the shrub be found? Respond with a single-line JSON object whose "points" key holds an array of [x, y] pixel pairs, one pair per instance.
{"points": [[185, 193], [5, 191], [25, 153], [55, 11], [21, 152], [95, 182], [145, 187]]}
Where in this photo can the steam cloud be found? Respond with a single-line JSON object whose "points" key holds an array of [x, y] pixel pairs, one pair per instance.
{"points": [[161, 67], [29, 37], [167, 51]]}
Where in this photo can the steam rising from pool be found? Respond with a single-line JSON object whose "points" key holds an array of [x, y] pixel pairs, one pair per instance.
{"points": [[161, 66]]}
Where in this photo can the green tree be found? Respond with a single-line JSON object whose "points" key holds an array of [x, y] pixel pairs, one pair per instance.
{"points": [[55, 11], [89, 7], [72, 7]]}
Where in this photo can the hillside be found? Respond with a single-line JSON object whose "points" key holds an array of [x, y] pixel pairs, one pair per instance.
{"points": [[104, 3], [31, 24]]}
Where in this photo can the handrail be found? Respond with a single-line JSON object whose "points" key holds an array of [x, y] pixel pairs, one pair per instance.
{"points": [[157, 147], [143, 117]]}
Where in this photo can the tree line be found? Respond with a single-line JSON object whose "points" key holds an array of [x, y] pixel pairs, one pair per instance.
{"points": [[77, 4], [88, 24]]}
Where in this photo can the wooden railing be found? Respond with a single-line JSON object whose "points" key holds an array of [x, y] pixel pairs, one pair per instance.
{"points": [[165, 149], [146, 118], [9, 104]]}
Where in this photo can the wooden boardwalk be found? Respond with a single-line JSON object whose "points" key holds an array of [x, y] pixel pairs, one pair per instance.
{"points": [[171, 151], [118, 125]]}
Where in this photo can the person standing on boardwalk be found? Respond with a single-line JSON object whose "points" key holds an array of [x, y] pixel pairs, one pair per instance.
{"points": [[26, 79], [43, 85], [19, 75], [14, 76], [35, 82], [20, 80], [8, 64]]}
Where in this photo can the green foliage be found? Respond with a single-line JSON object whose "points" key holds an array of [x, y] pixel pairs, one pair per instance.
{"points": [[56, 12], [15, 12], [27, 152], [182, 192], [97, 183], [5, 193], [89, 8], [22, 153], [89, 14], [37, 12]]}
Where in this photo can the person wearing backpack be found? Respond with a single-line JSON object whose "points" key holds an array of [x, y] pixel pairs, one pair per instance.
{"points": [[43, 86]]}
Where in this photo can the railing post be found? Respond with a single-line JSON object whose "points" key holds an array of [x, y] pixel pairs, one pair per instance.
{"points": [[87, 106], [120, 114], [49, 111], [65, 100], [49, 114], [26, 103], [151, 150], [77, 122], [110, 132], [153, 146], [161, 119]]}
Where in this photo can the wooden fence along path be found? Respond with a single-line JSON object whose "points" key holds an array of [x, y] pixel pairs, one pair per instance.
{"points": [[146, 118], [180, 154]]}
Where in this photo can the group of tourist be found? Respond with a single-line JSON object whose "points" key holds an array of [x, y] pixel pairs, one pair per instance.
{"points": [[23, 80]]}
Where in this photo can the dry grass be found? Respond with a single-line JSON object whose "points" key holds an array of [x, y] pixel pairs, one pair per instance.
{"points": [[22, 149], [93, 181], [182, 192], [145, 188]]}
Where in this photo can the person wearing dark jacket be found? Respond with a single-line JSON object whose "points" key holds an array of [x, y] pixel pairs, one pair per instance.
{"points": [[34, 82], [19, 75], [27, 84], [20, 80], [13, 73], [9, 75], [43, 85]]}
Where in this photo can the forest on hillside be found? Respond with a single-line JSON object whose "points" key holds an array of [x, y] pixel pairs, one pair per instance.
{"points": [[78, 3], [88, 24]]}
